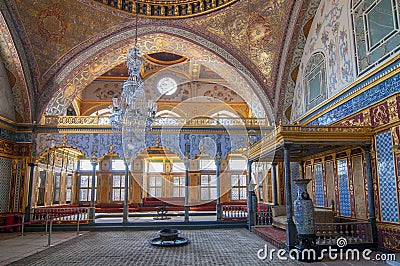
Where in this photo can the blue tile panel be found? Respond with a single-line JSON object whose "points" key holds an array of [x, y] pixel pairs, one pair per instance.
{"points": [[319, 185], [387, 179], [361, 101], [12, 135], [344, 193], [295, 174]]}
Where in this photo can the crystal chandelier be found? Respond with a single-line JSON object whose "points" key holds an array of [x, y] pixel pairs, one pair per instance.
{"points": [[131, 114]]}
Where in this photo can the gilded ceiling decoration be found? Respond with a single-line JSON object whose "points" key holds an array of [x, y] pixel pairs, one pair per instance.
{"points": [[54, 27], [167, 8], [62, 37], [52, 23], [221, 93], [108, 91], [257, 30]]}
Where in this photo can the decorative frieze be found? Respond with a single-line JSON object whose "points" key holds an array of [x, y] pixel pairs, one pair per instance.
{"points": [[167, 9]]}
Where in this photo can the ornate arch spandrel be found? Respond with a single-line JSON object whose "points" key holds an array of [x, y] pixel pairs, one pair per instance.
{"points": [[101, 57]]}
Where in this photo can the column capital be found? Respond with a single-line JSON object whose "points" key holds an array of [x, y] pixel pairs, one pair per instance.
{"points": [[31, 164], [274, 163], [367, 147], [286, 146], [93, 159], [218, 159], [186, 162]]}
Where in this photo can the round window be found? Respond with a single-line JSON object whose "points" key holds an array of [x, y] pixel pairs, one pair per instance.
{"points": [[167, 86]]}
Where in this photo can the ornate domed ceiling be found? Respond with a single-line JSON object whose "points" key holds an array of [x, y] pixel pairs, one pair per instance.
{"points": [[56, 48]]}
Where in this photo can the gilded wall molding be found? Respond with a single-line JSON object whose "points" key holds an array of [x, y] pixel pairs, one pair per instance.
{"points": [[389, 236], [10, 149]]}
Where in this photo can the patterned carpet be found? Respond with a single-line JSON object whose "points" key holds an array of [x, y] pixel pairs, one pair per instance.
{"points": [[275, 236]]}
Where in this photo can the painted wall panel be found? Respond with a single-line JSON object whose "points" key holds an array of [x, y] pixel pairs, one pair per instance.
{"points": [[359, 190]]}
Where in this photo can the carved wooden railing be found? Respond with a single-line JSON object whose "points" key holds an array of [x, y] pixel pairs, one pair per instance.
{"points": [[158, 122], [264, 215], [312, 129], [245, 122], [234, 212], [353, 232]]}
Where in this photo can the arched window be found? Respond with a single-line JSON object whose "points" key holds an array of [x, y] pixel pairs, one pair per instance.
{"points": [[376, 29], [315, 80]]}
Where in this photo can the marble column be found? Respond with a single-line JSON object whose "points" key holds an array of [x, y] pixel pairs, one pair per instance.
{"points": [[217, 172], [274, 183], [371, 193], [93, 161], [291, 232], [126, 188]]}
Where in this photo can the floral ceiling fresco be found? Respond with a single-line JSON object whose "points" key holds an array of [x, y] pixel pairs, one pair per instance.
{"points": [[250, 33]]}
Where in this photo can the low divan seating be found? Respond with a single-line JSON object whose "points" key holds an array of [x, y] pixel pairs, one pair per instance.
{"points": [[322, 215]]}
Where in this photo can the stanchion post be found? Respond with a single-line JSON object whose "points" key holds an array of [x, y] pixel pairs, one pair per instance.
{"points": [[50, 230], [77, 224], [47, 219], [23, 224]]}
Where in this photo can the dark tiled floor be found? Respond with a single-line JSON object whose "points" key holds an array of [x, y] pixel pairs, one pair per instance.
{"points": [[207, 247]]}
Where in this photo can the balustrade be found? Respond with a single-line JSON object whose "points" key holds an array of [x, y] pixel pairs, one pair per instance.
{"points": [[264, 215], [158, 121], [354, 233], [234, 212]]}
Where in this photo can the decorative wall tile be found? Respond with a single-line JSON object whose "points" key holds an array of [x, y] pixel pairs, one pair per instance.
{"points": [[195, 144], [295, 174], [319, 186], [12, 135], [387, 179], [5, 177], [17, 186], [380, 115], [344, 193]]}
